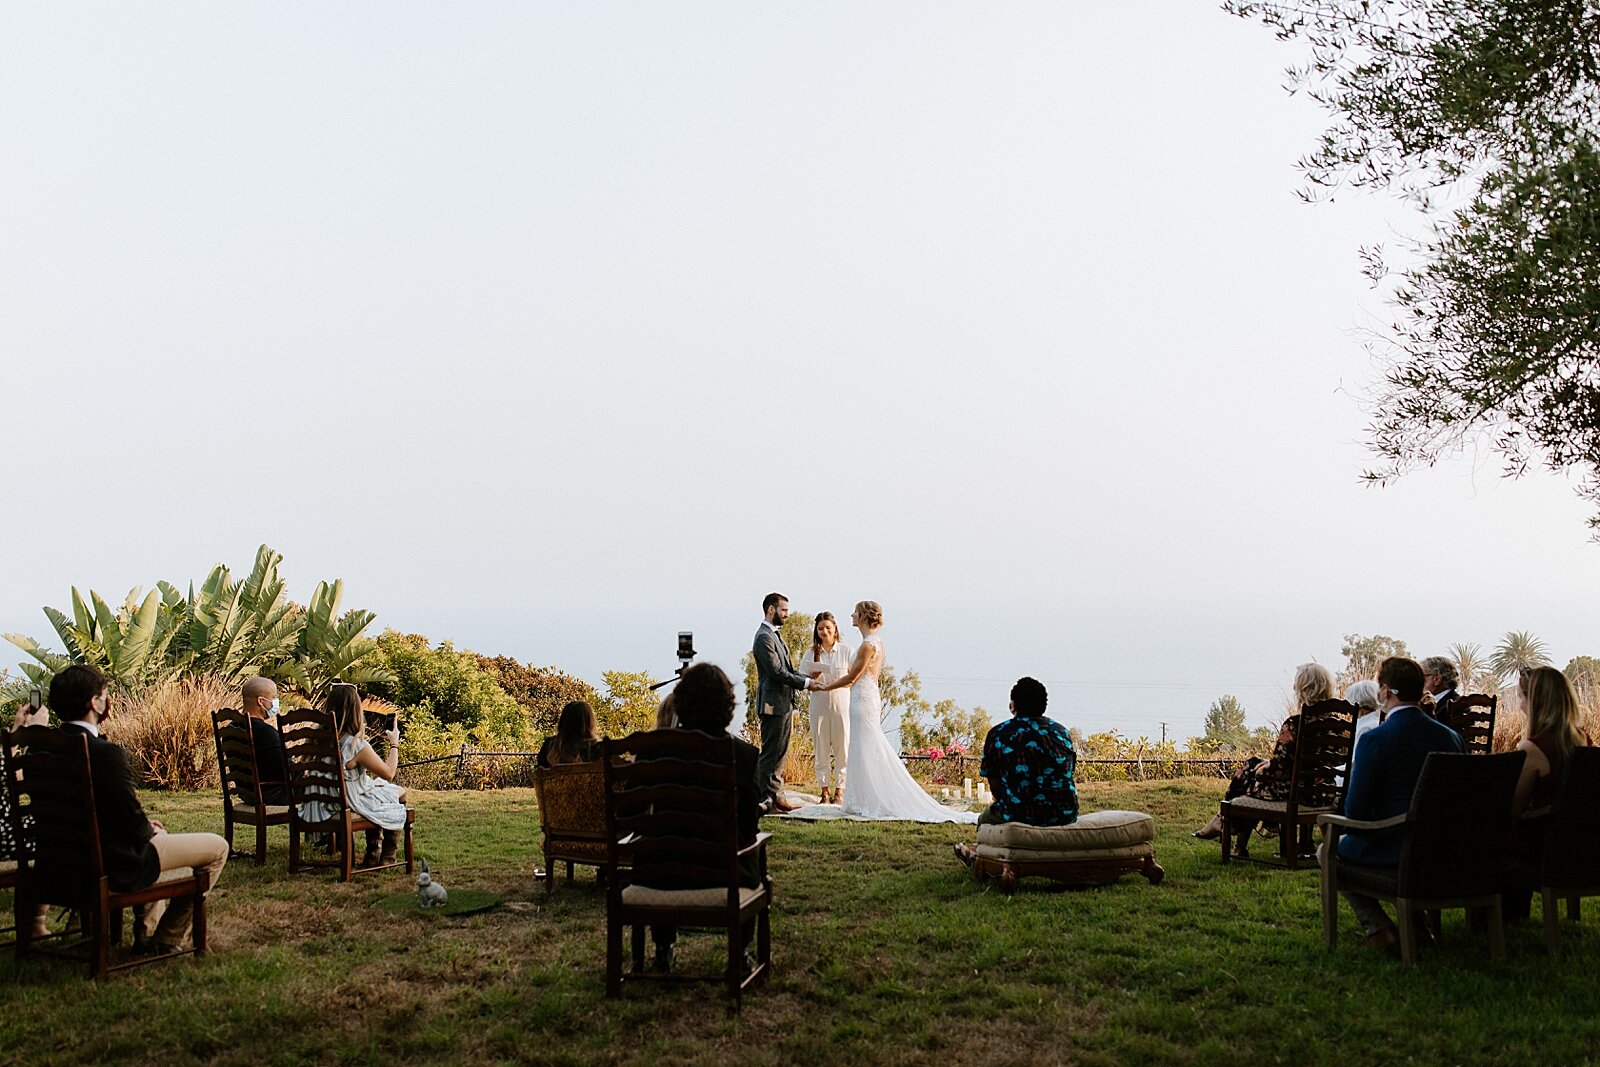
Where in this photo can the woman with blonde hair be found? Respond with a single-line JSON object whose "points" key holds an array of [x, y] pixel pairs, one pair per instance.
{"points": [[880, 786], [1270, 779], [368, 780], [1550, 732]]}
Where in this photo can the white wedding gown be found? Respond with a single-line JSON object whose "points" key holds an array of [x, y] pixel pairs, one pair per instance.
{"points": [[879, 786]]}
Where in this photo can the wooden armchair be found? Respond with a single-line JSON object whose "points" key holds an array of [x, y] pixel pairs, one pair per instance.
{"points": [[1453, 854], [672, 818], [53, 817], [1570, 868], [243, 792], [1322, 752], [1472, 717], [317, 800], [572, 817]]}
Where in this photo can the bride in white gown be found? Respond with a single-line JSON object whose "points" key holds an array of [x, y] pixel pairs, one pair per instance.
{"points": [[879, 786]]}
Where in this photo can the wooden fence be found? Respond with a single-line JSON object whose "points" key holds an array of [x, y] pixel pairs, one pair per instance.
{"points": [[470, 768]]}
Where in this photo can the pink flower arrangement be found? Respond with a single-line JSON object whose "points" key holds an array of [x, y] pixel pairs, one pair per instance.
{"points": [[936, 753]]}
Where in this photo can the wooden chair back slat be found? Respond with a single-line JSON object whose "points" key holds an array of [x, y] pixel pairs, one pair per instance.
{"points": [[53, 791], [1322, 752], [682, 835], [311, 753], [1472, 716], [236, 756]]}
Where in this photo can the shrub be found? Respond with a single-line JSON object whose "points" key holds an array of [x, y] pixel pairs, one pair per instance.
{"points": [[450, 689], [541, 691], [167, 731]]}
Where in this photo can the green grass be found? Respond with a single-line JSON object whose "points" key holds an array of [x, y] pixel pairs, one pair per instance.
{"points": [[886, 952]]}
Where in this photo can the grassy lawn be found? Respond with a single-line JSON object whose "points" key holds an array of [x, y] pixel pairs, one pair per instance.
{"points": [[886, 952]]}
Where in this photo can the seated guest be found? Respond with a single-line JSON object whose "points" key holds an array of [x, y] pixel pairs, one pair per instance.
{"points": [[368, 780], [1383, 775], [576, 740], [1029, 762], [1439, 684], [1271, 779], [666, 718], [259, 698], [1364, 695], [1551, 731], [703, 701], [135, 849]]}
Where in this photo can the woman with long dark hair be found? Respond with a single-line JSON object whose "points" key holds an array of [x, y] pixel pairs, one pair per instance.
{"points": [[368, 780], [828, 658], [577, 737]]}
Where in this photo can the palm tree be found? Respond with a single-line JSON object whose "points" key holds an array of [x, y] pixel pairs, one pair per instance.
{"points": [[1518, 651], [1472, 670]]}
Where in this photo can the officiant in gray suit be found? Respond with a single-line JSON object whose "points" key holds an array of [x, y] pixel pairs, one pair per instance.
{"points": [[778, 689]]}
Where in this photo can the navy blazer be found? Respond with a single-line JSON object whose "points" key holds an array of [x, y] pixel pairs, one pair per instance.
{"points": [[125, 831], [1383, 774]]}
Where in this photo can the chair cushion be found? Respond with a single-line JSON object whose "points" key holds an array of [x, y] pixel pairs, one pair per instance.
{"points": [[1095, 830], [1363, 877], [1279, 807], [270, 809], [1076, 855], [643, 896], [7, 866]]}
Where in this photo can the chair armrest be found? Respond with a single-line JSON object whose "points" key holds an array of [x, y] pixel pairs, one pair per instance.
{"points": [[1344, 822], [760, 842]]}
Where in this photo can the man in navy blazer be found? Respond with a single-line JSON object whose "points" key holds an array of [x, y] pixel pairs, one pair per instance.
{"points": [[1383, 774]]}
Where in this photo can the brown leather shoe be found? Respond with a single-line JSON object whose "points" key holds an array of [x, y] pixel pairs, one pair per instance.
{"points": [[965, 854], [781, 805]]}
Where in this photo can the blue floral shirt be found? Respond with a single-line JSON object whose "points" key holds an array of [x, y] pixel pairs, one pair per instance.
{"points": [[1029, 760]]}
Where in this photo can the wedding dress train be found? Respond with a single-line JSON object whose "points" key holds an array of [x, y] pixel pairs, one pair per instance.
{"points": [[879, 786]]}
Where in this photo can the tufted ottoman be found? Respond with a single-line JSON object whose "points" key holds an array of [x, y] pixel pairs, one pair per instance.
{"points": [[1098, 849]]}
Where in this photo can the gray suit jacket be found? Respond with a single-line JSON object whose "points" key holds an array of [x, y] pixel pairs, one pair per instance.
{"points": [[778, 684]]}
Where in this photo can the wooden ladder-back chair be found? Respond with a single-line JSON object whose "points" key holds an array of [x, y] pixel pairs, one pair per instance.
{"points": [[572, 817], [1323, 741], [316, 782], [1453, 854], [672, 819], [243, 791], [1472, 717], [53, 816], [1570, 868]]}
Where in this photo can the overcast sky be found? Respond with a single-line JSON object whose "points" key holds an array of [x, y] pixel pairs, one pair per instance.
{"points": [[556, 328]]}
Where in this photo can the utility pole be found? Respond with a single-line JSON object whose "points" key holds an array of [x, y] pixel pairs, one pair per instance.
{"points": [[1163, 733]]}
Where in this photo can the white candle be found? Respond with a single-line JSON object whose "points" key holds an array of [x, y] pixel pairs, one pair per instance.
{"points": [[966, 788], [945, 792]]}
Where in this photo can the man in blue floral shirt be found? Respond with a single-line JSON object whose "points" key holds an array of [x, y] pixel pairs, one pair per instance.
{"points": [[1029, 761]]}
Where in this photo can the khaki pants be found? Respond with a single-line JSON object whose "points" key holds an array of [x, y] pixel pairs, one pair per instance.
{"points": [[167, 921]]}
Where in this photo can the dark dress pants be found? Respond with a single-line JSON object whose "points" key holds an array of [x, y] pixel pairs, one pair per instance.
{"points": [[775, 730]]}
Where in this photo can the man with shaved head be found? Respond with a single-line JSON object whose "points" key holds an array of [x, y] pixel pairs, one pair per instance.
{"points": [[260, 701]]}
